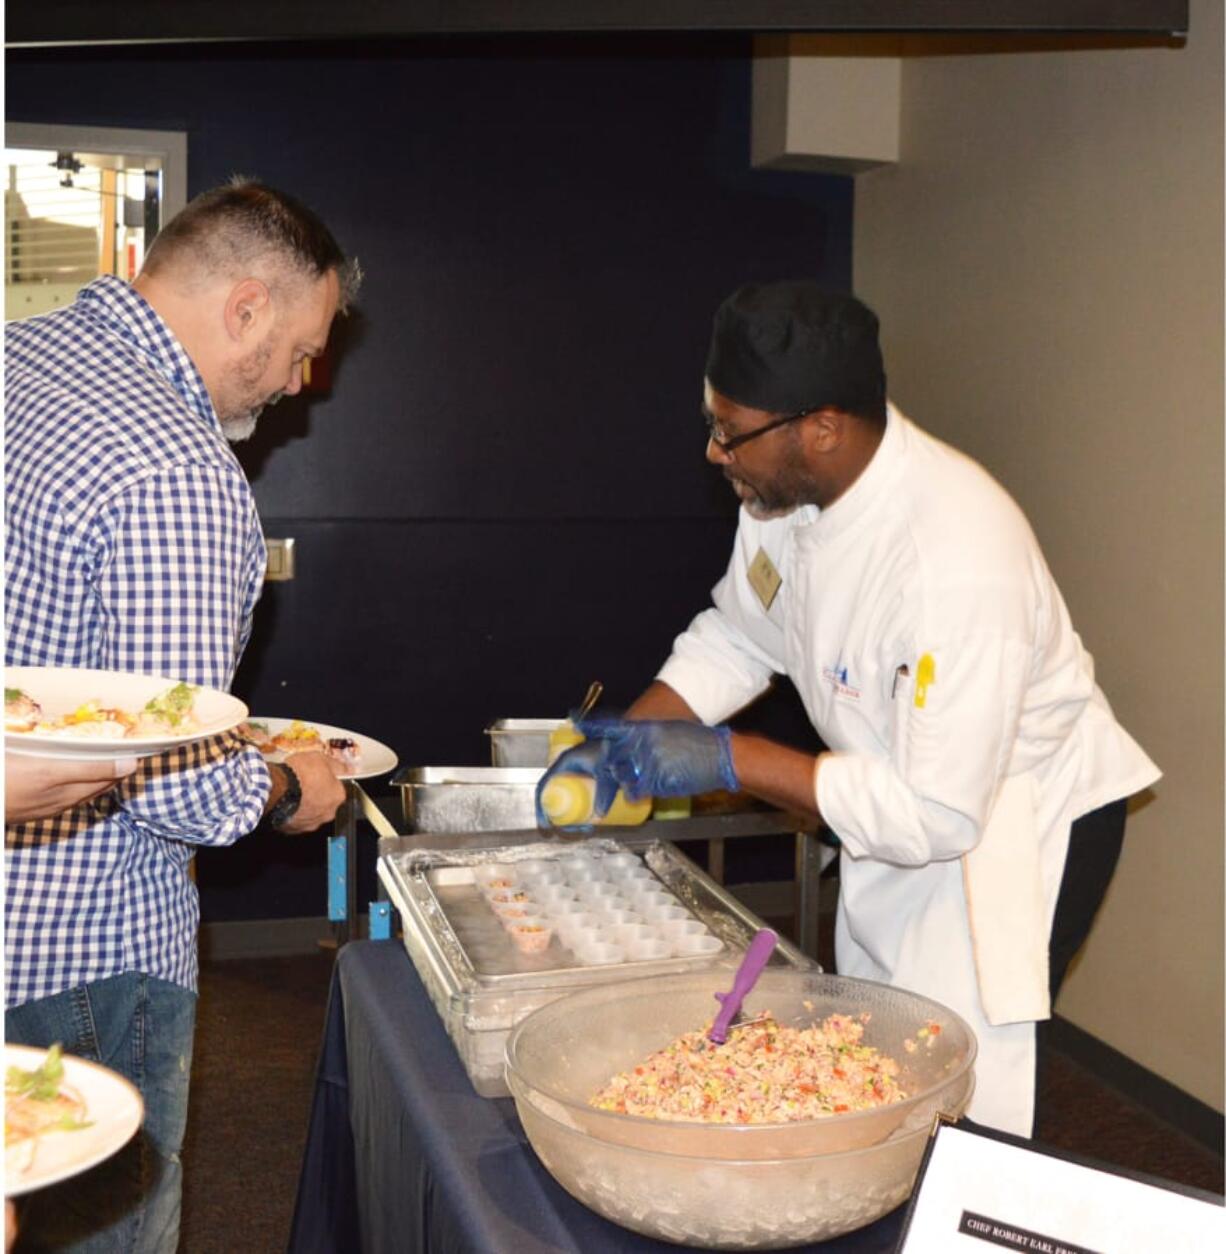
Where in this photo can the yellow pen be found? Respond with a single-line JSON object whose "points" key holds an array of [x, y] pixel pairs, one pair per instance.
{"points": [[925, 674]]}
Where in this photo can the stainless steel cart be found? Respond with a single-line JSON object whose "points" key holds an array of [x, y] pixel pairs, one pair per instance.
{"points": [[812, 855]]}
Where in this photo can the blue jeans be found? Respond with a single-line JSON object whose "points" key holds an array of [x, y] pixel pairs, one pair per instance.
{"points": [[142, 1028]]}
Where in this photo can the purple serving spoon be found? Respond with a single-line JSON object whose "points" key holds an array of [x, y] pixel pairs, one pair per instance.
{"points": [[756, 957]]}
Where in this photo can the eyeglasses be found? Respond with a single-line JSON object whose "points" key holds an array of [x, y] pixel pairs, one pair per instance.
{"points": [[735, 442]]}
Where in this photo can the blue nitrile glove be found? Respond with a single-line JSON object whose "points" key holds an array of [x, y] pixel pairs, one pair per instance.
{"points": [[585, 759], [660, 758]]}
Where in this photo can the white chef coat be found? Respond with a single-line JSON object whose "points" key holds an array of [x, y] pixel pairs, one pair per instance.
{"points": [[935, 657]]}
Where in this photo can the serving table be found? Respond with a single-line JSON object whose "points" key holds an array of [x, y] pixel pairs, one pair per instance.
{"points": [[403, 1156]]}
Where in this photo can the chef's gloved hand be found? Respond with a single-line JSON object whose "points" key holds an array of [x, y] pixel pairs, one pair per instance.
{"points": [[587, 759], [659, 758]]}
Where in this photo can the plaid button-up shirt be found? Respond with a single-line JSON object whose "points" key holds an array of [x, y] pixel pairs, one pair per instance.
{"points": [[132, 544]]}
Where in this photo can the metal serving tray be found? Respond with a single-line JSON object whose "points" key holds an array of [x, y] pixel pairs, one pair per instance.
{"points": [[482, 986], [468, 798], [521, 741]]}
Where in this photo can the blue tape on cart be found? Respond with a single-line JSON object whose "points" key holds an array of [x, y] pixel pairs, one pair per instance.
{"points": [[380, 920], [338, 909]]}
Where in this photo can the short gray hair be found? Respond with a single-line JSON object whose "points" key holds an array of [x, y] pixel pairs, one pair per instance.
{"points": [[229, 229]]}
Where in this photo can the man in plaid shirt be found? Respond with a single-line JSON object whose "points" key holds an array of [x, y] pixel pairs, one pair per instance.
{"points": [[133, 544]]}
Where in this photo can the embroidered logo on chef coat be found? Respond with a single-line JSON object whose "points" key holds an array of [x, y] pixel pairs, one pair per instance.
{"points": [[837, 678]]}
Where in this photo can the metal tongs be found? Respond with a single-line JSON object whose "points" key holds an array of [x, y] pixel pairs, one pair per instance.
{"points": [[756, 957], [595, 688]]}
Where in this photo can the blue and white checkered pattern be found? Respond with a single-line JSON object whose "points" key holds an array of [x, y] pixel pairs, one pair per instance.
{"points": [[132, 544]]}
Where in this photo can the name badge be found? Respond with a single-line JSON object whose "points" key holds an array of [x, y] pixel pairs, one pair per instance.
{"points": [[764, 579]]}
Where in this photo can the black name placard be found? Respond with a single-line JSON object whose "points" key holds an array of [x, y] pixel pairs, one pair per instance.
{"points": [[1014, 1238]]}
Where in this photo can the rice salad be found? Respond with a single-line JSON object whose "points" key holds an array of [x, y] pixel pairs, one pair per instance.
{"points": [[764, 1073]]}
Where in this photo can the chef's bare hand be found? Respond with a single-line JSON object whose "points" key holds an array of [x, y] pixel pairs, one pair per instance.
{"points": [[322, 792], [37, 788]]}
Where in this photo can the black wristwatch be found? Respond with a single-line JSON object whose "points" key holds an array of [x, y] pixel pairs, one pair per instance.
{"points": [[287, 806]]}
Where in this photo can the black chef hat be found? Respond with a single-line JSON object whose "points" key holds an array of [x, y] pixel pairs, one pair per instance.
{"points": [[789, 346]]}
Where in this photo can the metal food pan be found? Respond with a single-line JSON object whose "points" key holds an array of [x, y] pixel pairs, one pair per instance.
{"points": [[521, 741], [468, 798], [494, 958], [433, 889], [480, 1001]]}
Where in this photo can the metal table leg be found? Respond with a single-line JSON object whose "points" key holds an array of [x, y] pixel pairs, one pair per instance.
{"points": [[808, 872], [715, 859]]}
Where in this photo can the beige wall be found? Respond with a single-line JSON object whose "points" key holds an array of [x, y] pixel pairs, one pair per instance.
{"points": [[1047, 261]]}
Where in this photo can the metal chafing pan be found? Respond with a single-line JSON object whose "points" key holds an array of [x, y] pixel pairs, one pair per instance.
{"points": [[482, 986], [521, 741], [468, 798]]}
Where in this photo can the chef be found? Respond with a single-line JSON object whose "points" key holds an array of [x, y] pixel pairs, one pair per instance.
{"points": [[975, 775]]}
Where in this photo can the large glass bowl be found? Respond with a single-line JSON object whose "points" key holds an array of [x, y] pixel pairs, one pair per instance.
{"points": [[731, 1186], [722, 1204]]}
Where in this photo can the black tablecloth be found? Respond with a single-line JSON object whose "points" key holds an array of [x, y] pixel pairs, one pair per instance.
{"points": [[403, 1156]]}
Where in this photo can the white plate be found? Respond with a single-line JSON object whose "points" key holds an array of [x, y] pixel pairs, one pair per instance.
{"points": [[112, 1106], [60, 689], [377, 759]]}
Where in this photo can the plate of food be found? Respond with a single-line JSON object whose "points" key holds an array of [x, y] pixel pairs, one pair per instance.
{"points": [[62, 1115], [359, 756], [72, 712]]}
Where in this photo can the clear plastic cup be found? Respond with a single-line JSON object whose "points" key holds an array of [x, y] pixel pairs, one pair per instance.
{"points": [[649, 886], [679, 929], [509, 892], [578, 941], [664, 914], [628, 933], [491, 877], [505, 910], [615, 917], [612, 901], [632, 875], [577, 867], [693, 946], [578, 853], [550, 895], [595, 891], [641, 884], [500, 885], [651, 899], [575, 926], [548, 874], [531, 935], [509, 912], [619, 861], [566, 906], [599, 953], [652, 947]]}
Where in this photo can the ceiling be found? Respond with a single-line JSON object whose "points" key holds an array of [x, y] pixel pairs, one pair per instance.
{"points": [[84, 22]]}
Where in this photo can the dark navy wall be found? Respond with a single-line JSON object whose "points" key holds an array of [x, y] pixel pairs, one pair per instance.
{"points": [[504, 496]]}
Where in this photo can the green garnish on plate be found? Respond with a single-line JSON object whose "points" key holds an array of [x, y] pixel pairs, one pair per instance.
{"points": [[42, 1084], [174, 705]]}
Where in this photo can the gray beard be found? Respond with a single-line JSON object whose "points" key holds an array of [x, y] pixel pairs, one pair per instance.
{"points": [[241, 428], [762, 512]]}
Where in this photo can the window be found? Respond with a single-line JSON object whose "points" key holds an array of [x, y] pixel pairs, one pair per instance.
{"points": [[80, 202]]}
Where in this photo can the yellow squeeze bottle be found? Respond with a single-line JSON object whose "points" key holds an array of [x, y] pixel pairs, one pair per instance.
{"points": [[567, 800]]}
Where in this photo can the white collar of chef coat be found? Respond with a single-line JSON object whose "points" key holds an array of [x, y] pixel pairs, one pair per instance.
{"points": [[823, 525]]}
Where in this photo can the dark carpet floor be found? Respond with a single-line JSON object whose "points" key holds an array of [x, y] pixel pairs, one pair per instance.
{"points": [[258, 1036]]}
